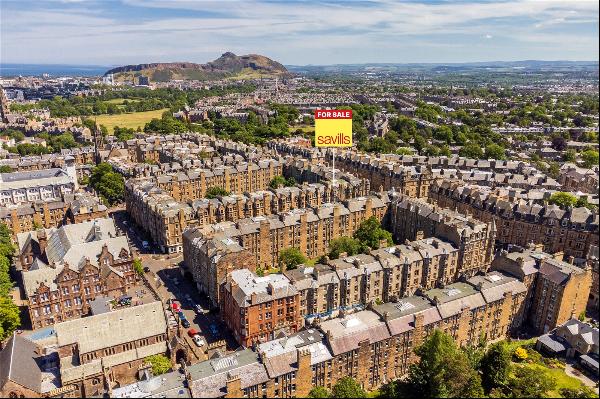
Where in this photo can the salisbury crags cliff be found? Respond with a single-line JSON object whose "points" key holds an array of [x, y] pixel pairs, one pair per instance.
{"points": [[228, 65]]}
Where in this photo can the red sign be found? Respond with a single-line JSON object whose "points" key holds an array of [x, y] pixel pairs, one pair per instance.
{"points": [[333, 114]]}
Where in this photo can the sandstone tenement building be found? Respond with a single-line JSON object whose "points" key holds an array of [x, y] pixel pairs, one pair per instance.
{"points": [[521, 223], [63, 269]]}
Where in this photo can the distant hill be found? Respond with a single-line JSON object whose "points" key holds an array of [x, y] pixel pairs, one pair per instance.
{"points": [[228, 65]]}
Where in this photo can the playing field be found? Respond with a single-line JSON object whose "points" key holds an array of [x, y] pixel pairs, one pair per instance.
{"points": [[132, 120]]}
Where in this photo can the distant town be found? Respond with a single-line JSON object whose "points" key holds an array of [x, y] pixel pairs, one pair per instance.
{"points": [[172, 230]]}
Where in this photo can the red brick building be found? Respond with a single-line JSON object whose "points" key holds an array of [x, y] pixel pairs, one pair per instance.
{"points": [[259, 309]]}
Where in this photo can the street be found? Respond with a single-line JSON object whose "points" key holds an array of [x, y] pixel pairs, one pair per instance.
{"points": [[166, 274]]}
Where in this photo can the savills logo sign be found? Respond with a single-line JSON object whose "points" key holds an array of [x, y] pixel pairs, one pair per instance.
{"points": [[333, 127]]}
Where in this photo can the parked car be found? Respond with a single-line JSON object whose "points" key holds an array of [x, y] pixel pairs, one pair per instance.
{"points": [[200, 309], [198, 340], [185, 323], [146, 269], [214, 330]]}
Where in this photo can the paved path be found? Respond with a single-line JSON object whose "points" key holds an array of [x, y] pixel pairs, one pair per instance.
{"points": [[571, 371]]}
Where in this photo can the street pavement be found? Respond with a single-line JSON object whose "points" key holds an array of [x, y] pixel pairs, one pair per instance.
{"points": [[165, 271]]}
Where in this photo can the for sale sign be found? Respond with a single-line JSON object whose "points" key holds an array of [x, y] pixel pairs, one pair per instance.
{"points": [[333, 127]]}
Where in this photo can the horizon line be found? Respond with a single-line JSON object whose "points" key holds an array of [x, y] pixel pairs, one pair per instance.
{"points": [[304, 65]]}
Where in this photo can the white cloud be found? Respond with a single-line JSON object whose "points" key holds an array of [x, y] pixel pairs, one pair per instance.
{"points": [[289, 30]]}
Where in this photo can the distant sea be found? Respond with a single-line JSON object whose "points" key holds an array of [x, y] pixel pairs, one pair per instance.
{"points": [[54, 70]]}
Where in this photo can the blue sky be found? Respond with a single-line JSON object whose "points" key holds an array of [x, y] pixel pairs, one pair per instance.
{"points": [[115, 32]]}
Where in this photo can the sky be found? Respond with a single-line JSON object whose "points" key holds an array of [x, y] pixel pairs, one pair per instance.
{"points": [[118, 32]]}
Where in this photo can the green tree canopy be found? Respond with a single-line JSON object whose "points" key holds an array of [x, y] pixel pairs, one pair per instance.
{"points": [[9, 312], [496, 365], [404, 151], [137, 266], [5, 169], [347, 387], [563, 199], [215, 192], [583, 202], [109, 184], [582, 392], [160, 364], [370, 234], [570, 155], [277, 182], [7, 248], [443, 371], [471, 150], [319, 392], [494, 151], [527, 382], [589, 158], [10, 318], [280, 181], [290, 258], [349, 245]]}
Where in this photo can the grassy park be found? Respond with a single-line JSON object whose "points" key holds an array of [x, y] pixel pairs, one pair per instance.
{"points": [[131, 120]]}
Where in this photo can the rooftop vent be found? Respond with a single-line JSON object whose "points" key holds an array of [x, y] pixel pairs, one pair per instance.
{"points": [[404, 306]]}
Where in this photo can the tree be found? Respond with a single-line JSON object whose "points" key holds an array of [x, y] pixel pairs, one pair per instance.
{"points": [[553, 169], [471, 150], [280, 181], [215, 192], [137, 266], [349, 245], [7, 248], [6, 283], [160, 364], [521, 354], [290, 182], [559, 143], [347, 387], [390, 390], [277, 182], [496, 366], [563, 199], [318, 392], [530, 383], [443, 133], [443, 370], [109, 184], [590, 158], [9, 317], [5, 169], [9, 312], [583, 202], [404, 151], [290, 258], [570, 155], [371, 234], [494, 151], [581, 392]]}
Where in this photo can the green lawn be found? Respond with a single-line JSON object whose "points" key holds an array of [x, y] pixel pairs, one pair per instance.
{"points": [[132, 120], [304, 128], [514, 344], [562, 379]]}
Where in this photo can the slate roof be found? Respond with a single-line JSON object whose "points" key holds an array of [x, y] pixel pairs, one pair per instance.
{"points": [[345, 334], [113, 328], [19, 362], [209, 378]]}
